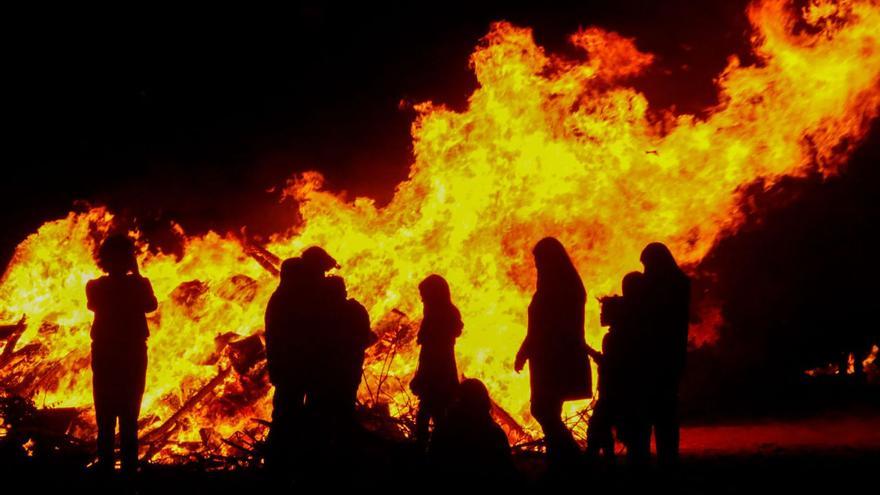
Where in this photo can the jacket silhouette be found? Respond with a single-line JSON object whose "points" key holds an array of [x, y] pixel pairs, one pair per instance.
{"points": [[619, 367], [554, 346], [666, 316], [295, 317], [436, 378], [120, 301], [347, 335], [469, 445]]}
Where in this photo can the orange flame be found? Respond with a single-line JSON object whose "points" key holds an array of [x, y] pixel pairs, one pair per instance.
{"points": [[547, 146]]}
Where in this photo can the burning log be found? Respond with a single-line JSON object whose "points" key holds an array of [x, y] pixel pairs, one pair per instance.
{"points": [[261, 255], [11, 334], [509, 423], [14, 330], [395, 333], [246, 353], [159, 437]]}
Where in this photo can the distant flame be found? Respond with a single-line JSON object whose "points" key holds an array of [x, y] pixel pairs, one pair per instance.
{"points": [[547, 146]]}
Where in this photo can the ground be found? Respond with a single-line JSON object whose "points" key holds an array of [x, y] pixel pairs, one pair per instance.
{"points": [[831, 453]]}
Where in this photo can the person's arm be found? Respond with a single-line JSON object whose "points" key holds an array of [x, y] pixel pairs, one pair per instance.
{"points": [[593, 353], [458, 325], [366, 337], [91, 296], [150, 303], [522, 355], [526, 348]]}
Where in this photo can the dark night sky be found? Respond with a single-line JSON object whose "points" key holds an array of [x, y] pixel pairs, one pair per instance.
{"points": [[192, 116]]}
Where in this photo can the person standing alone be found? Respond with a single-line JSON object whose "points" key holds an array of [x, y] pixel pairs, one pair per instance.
{"points": [[120, 300]]}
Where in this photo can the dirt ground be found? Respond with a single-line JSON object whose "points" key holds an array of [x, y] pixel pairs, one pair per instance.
{"points": [[828, 433], [836, 453]]}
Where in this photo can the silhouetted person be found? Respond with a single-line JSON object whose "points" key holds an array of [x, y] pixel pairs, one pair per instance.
{"points": [[120, 300], [285, 334], [555, 347], [620, 314], [436, 378], [469, 445], [347, 336], [293, 324], [667, 313], [622, 388]]}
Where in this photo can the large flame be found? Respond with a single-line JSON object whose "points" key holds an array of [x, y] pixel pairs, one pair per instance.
{"points": [[546, 146]]}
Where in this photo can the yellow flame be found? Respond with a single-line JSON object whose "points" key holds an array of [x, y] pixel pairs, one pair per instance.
{"points": [[546, 146]]}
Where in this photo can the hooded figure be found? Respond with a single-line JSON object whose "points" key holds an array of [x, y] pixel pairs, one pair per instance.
{"points": [[666, 316], [120, 301], [436, 378], [554, 346]]}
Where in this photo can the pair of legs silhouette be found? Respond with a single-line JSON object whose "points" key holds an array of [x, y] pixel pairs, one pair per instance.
{"points": [[561, 446], [118, 380]]}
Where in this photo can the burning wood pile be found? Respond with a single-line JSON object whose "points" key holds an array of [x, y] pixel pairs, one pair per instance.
{"points": [[548, 145]]}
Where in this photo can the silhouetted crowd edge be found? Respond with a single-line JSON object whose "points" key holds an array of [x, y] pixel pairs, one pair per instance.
{"points": [[316, 339]]}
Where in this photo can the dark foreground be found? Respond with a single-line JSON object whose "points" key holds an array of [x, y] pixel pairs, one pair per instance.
{"points": [[834, 454], [804, 472]]}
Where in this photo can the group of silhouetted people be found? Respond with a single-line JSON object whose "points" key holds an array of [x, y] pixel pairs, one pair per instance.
{"points": [[316, 339], [640, 365], [642, 361]]}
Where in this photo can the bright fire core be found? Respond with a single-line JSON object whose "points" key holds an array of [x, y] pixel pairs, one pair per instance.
{"points": [[546, 146]]}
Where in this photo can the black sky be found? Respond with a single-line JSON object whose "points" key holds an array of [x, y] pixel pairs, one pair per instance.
{"points": [[194, 115]]}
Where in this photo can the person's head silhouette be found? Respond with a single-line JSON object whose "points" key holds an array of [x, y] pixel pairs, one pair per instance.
{"points": [[632, 284], [336, 288], [550, 255], [291, 269], [658, 260], [316, 260], [556, 273], [117, 255], [435, 291], [473, 399]]}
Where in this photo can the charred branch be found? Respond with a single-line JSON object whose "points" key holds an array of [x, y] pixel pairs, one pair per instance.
{"points": [[158, 437], [261, 255]]}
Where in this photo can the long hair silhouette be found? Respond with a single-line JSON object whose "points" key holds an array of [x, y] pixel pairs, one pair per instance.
{"points": [[557, 275]]}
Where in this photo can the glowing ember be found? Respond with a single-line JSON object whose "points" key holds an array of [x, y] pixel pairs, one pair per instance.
{"points": [[547, 146]]}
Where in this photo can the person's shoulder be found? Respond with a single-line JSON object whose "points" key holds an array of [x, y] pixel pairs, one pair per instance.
{"points": [[451, 315], [354, 304], [456, 311], [132, 280], [96, 282], [357, 310]]}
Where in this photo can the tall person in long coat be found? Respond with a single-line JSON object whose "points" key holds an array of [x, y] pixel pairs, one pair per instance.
{"points": [[436, 379], [555, 347], [667, 313]]}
